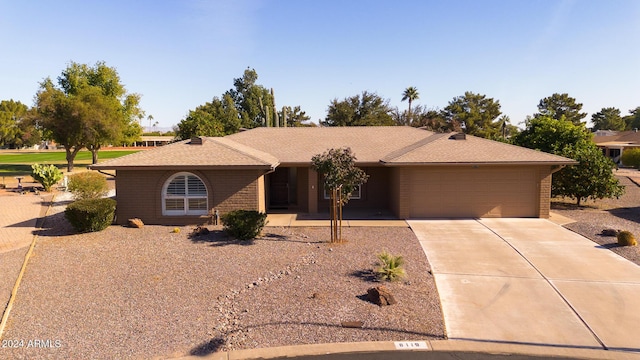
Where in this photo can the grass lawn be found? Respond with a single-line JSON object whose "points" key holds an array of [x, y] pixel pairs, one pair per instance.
{"points": [[18, 162]]}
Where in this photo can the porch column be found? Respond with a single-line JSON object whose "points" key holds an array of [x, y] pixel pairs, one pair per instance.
{"points": [[312, 191]]}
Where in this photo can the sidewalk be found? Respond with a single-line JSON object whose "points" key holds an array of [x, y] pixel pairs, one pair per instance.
{"points": [[18, 216]]}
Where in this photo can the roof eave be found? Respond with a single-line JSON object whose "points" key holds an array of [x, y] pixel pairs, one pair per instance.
{"points": [[478, 163], [184, 167]]}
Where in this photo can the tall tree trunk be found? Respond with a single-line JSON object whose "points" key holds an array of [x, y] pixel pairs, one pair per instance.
{"points": [[71, 156], [94, 156]]}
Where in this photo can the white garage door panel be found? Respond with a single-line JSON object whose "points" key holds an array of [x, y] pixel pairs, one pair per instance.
{"points": [[497, 192]]}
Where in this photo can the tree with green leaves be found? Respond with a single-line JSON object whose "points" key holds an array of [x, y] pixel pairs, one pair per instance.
{"points": [[16, 125], [341, 177], [476, 114], [557, 106], [253, 102], [247, 105], [89, 108], [592, 178], [367, 109], [632, 121], [608, 119], [294, 117], [216, 118], [410, 94]]}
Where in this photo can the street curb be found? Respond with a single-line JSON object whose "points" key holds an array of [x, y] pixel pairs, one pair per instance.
{"points": [[435, 350]]}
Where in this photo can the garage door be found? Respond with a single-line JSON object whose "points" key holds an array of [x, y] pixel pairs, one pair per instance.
{"points": [[473, 192]]}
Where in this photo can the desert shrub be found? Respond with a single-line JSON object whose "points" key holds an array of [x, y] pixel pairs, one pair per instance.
{"points": [[91, 215], [631, 157], [244, 224], [626, 238], [88, 185], [46, 175], [389, 267]]}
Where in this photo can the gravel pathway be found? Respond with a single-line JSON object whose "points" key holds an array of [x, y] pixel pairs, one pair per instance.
{"points": [[150, 293], [10, 265], [594, 216]]}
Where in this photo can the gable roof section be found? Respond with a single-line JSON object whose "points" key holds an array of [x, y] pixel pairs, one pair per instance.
{"points": [[299, 145], [441, 149], [266, 148], [215, 152]]}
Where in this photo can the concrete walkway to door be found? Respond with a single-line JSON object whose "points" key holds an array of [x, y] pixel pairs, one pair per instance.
{"points": [[530, 281]]}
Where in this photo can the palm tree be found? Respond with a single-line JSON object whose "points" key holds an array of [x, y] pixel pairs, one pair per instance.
{"points": [[410, 93]]}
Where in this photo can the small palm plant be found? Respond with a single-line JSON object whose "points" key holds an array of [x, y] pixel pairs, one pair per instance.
{"points": [[389, 266]]}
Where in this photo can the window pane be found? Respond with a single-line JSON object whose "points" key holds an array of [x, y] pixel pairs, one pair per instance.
{"points": [[177, 186], [174, 204], [197, 204], [195, 186]]}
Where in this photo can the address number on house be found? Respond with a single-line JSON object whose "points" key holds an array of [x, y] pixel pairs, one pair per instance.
{"points": [[410, 345]]}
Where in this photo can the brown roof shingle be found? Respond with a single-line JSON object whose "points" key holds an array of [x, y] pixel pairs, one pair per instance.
{"points": [[214, 152], [387, 145], [299, 145], [445, 149]]}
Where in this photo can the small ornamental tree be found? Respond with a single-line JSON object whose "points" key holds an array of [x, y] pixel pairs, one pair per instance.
{"points": [[591, 178], [341, 178]]}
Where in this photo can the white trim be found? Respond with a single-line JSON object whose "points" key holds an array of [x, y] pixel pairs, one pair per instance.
{"points": [[185, 211]]}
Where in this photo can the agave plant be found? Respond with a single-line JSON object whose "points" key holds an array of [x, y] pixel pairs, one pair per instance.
{"points": [[389, 267]]}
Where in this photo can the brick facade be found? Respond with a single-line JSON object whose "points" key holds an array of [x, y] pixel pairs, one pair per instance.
{"points": [[139, 194]]}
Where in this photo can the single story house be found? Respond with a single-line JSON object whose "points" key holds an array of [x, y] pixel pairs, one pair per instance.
{"points": [[413, 173], [614, 143]]}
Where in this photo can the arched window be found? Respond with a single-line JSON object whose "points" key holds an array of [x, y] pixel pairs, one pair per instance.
{"points": [[184, 194]]}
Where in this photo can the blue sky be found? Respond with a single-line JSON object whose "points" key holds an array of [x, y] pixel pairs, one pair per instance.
{"points": [[179, 54]]}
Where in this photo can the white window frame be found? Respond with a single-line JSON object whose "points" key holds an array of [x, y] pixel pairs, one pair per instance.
{"points": [[355, 195], [186, 197]]}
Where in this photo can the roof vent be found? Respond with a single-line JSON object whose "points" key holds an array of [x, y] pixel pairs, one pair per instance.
{"points": [[197, 140], [458, 136]]}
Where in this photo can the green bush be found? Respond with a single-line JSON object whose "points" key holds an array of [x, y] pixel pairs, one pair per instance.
{"points": [[46, 175], [389, 267], [244, 224], [626, 238], [91, 215], [88, 185], [631, 157]]}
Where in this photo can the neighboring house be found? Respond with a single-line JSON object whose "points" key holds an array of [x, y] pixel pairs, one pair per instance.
{"points": [[153, 141], [613, 143], [414, 173]]}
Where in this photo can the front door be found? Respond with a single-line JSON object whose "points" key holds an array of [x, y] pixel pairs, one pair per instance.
{"points": [[279, 189]]}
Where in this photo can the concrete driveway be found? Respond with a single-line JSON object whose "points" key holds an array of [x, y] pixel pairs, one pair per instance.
{"points": [[531, 281]]}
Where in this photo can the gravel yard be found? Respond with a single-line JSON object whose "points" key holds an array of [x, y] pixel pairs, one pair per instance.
{"points": [[151, 293], [594, 216]]}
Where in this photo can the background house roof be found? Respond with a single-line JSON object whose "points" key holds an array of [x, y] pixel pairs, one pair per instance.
{"points": [[213, 152], [620, 138]]}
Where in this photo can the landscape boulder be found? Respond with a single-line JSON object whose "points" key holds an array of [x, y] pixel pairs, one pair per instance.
{"points": [[380, 296], [136, 223], [200, 230]]}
